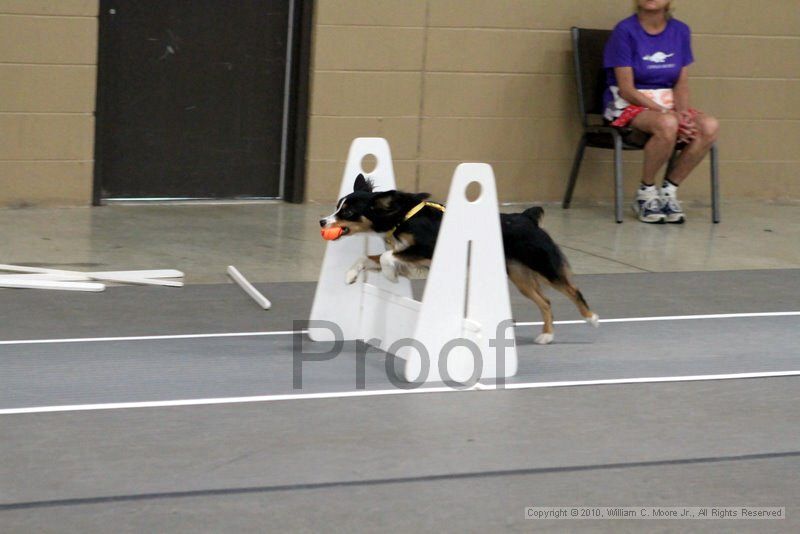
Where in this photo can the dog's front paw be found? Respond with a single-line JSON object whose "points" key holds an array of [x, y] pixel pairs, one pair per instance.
{"points": [[351, 276], [544, 339], [594, 320], [355, 270]]}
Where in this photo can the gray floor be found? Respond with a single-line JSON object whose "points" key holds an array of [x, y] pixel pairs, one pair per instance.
{"points": [[281, 242], [465, 461], [415, 463], [204, 308]]}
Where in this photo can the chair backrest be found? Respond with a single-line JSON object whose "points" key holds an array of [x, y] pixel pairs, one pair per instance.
{"points": [[587, 52]]}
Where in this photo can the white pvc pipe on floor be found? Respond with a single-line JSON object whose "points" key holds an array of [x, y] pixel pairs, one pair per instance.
{"points": [[248, 288], [22, 283]]}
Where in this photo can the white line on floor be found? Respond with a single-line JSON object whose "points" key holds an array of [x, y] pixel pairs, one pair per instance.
{"points": [[676, 318], [385, 392], [150, 338], [290, 332]]}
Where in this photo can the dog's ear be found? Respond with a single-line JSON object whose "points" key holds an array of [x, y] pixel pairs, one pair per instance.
{"points": [[363, 184], [385, 201]]}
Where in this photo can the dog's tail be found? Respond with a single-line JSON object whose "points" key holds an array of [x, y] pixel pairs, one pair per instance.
{"points": [[535, 214]]}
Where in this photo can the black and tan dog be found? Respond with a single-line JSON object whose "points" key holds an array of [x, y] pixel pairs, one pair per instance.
{"points": [[411, 226]]}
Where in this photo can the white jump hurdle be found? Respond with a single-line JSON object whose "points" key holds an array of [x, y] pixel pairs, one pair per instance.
{"points": [[465, 304]]}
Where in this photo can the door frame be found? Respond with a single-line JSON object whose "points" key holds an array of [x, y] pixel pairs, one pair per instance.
{"points": [[295, 129]]}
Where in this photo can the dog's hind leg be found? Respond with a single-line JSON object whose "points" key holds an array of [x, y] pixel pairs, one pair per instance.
{"points": [[565, 286], [364, 263], [525, 280]]}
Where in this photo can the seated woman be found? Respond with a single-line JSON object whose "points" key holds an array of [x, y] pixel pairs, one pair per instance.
{"points": [[646, 60]]}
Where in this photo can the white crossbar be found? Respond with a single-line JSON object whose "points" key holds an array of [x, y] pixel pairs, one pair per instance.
{"points": [[22, 283], [387, 317], [142, 277], [45, 276]]}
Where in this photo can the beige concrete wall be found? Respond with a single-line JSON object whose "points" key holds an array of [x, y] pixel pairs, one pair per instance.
{"points": [[48, 58], [491, 80]]}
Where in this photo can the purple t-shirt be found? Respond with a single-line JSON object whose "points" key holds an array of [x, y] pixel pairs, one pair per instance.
{"points": [[656, 60]]}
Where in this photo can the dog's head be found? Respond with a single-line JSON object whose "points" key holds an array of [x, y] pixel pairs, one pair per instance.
{"points": [[364, 210]]}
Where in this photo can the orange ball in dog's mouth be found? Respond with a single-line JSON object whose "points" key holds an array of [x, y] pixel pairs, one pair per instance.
{"points": [[331, 234]]}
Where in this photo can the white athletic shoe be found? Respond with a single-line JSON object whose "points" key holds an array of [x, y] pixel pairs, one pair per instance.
{"points": [[672, 210], [648, 208]]}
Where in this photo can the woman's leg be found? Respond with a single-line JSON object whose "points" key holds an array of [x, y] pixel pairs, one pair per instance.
{"points": [[693, 154], [663, 128]]}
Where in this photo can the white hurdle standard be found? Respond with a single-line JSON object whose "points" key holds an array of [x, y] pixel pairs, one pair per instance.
{"points": [[465, 304]]}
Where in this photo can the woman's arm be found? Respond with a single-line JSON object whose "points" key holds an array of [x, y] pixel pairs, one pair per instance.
{"points": [[628, 91], [681, 91]]}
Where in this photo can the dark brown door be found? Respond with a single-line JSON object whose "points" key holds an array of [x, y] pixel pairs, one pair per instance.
{"points": [[191, 98]]}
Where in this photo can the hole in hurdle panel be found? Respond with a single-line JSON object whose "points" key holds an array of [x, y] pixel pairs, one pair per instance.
{"points": [[369, 163], [473, 191]]}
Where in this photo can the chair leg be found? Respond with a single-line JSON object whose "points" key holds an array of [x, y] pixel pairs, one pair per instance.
{"points": [[573, 175], [714, 184], [618, 193]]}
